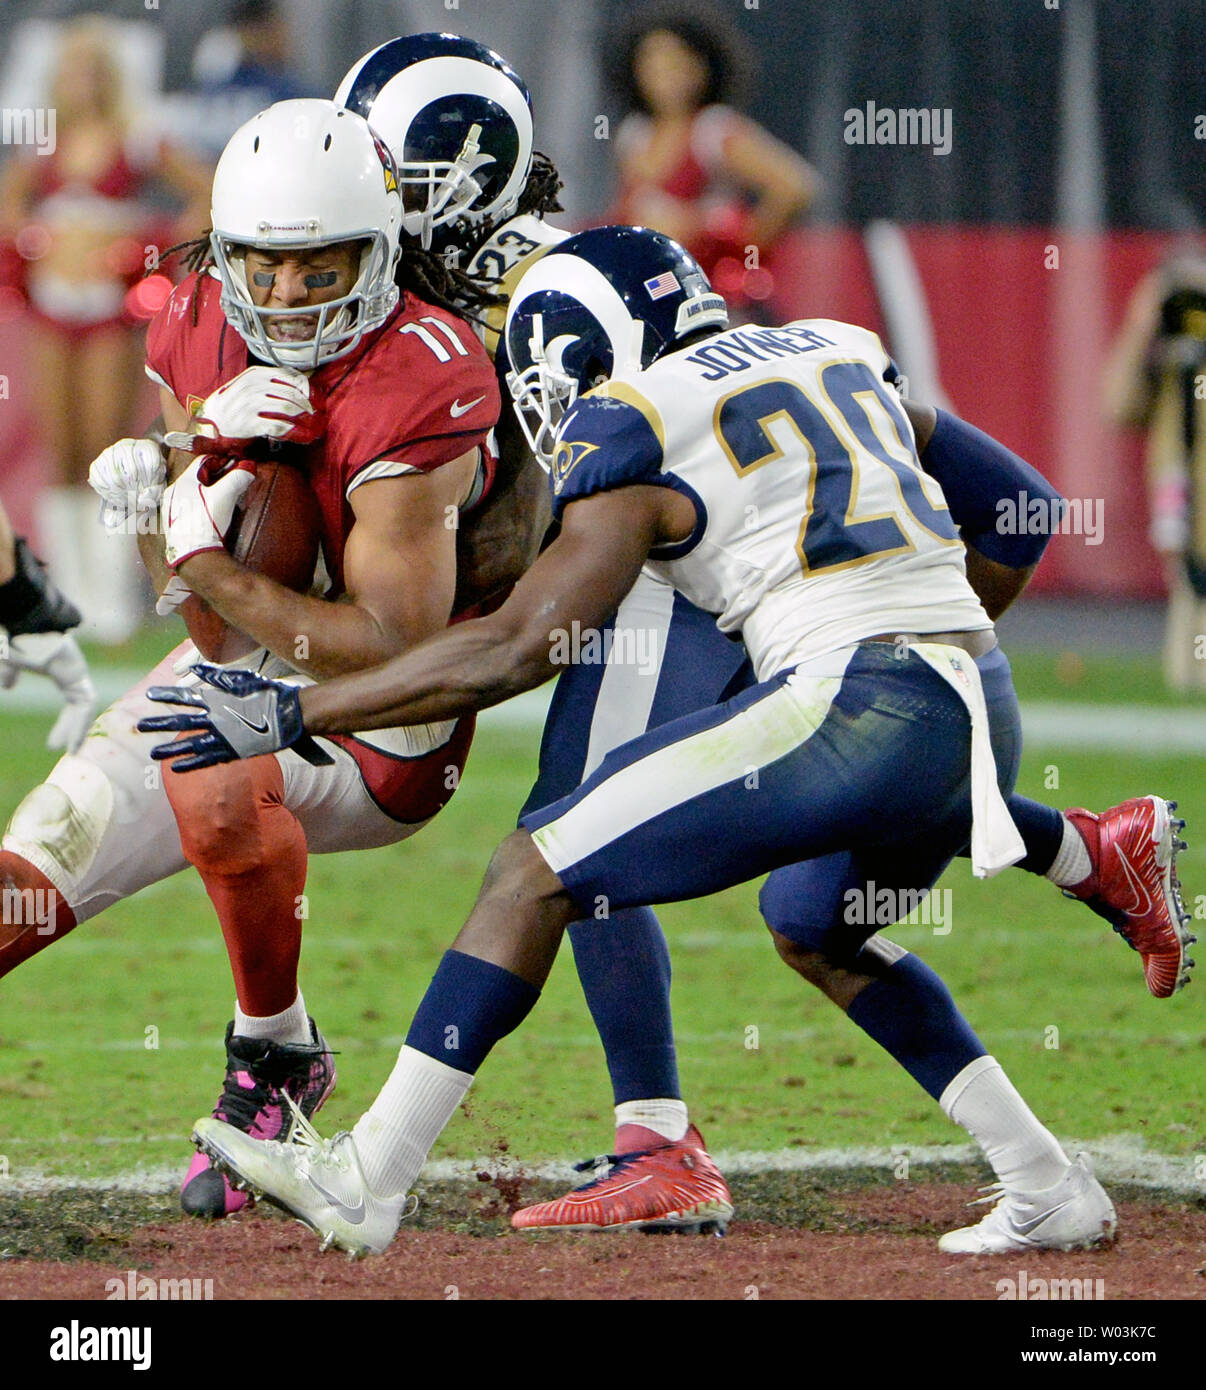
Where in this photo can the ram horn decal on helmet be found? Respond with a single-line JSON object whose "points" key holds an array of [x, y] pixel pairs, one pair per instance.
{"points": [[610, 300], [457, 119]]}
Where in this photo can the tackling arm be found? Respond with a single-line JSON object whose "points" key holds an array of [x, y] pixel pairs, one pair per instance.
{"points": [[502, 537], [582, 576]]}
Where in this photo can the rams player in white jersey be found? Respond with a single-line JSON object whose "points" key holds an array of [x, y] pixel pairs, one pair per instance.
{"points": [[773, 480], [458, 121]]}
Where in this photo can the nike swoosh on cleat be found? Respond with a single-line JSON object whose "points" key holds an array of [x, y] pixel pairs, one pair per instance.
{"points": [[1137, 886], [255, 728], [456, 409], [611, 1192], [354, 1216]]}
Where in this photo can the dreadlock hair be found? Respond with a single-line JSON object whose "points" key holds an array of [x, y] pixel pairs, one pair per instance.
{"points": [[540, 191], [196, 255], [539, 196], [438, 281], [423, 273]]}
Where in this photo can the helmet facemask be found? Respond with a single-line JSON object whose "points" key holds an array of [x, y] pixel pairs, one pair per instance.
{"points": [[542, 395], [339, 324], [448, 188]]}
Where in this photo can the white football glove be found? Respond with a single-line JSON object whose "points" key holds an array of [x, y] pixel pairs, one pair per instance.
{"points": [[55, 656], [195, 515], [260, 403], [172, 597], [129, 477]]}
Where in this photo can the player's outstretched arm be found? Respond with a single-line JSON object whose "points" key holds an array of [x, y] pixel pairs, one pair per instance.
{"points": [[581, 577]]}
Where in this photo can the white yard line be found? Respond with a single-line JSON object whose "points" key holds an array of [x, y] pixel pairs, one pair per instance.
{"points": [[1113, 728], [1139, 729], [1116, 1158]]}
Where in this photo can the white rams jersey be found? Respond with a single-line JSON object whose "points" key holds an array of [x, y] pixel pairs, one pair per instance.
{"points": [[816, 526], [511, 250]]}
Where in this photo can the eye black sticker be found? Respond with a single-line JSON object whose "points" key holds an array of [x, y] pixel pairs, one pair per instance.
{"points": [[264, 279], [324, 281]]}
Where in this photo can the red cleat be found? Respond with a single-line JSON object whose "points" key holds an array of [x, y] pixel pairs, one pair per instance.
{"points": [[673, 1187], [1134, 886]]}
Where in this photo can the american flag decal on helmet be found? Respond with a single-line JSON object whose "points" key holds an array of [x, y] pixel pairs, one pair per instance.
{"points": [[662, 285]]}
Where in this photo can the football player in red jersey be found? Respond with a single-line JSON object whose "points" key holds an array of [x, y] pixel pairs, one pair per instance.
{"points": [[298, 337]]}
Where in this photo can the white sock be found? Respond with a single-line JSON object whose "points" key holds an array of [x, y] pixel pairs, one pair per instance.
{"points": [[61, 541], [394, 1138], [1025, 1156], [114, 587], [289, 1026], [1072, 863], [665, 1117]]}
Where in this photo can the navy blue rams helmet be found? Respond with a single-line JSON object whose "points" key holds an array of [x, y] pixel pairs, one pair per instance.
{"points": [[610, 300], [458, 122]]}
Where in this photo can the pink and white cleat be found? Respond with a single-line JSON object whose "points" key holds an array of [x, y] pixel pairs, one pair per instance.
{"points": [[259, 1076]]}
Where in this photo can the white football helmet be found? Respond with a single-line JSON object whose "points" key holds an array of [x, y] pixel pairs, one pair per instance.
{"points": [[301, 175], [458, 121]]}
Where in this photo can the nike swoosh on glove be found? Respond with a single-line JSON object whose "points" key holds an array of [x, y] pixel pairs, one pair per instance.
{"points": [[261, 403], [196, 513], [174, 594], [56, 656], [244, 716]]}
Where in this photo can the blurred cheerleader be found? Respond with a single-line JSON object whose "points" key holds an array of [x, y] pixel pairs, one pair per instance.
{"points": [[82, 227], [693, 167]]}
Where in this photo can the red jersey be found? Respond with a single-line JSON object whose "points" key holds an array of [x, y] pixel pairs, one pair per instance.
{"points": [[414, 394]]}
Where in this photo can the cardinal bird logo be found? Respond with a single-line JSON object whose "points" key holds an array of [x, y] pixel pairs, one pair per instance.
{"points": [[387, 165]]}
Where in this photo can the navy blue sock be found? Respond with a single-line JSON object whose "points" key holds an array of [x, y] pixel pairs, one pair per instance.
{"points": [[911, 1014], [624, 966], [469, 1006], [1041, 827]]}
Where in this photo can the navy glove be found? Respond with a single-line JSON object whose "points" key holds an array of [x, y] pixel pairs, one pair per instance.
{"points": [[244, 716]]}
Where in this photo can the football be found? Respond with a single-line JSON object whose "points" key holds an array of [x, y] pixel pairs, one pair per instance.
{"points": [[275, 532]]}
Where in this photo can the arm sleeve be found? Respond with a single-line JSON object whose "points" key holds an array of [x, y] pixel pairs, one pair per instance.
{"points": [[984, 482]]}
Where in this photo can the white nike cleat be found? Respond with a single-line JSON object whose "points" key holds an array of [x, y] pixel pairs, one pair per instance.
{"points": [[1075, 1214], [317, 1180]]}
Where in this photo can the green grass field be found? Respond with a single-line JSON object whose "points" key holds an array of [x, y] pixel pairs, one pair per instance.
{"points": [[83, 1092]]}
